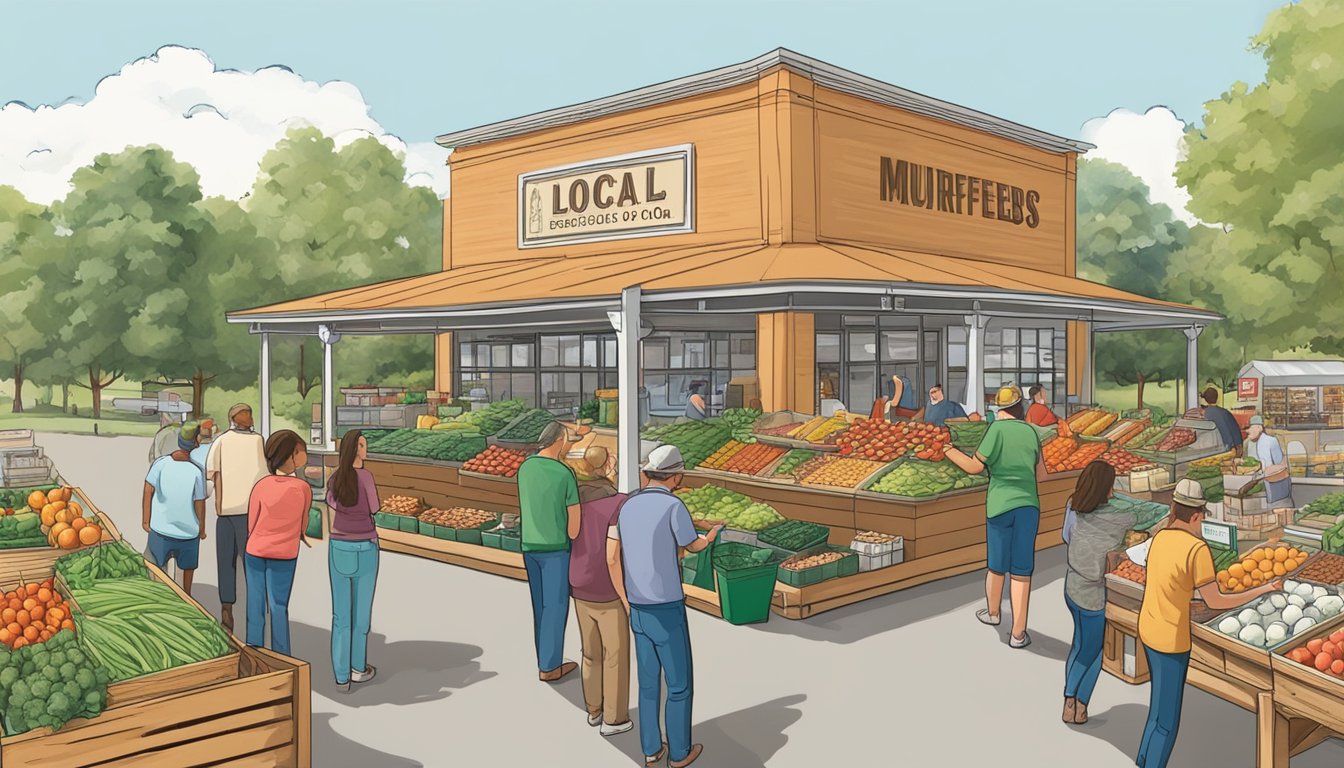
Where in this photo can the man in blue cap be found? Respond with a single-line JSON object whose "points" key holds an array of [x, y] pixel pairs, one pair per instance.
{"points": [[173, 506]]}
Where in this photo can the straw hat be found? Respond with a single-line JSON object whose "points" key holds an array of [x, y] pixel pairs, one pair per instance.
{"points": [[1007, 396]]}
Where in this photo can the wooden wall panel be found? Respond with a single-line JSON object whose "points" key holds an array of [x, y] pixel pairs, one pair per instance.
{"points": [[786, 361], [853, 135], [723, 126]]}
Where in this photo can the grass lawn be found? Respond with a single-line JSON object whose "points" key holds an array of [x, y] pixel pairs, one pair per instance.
{"points": [[1118, 398]]}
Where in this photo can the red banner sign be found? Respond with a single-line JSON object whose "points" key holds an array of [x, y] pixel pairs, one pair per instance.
{"points": [[1248, 388]]}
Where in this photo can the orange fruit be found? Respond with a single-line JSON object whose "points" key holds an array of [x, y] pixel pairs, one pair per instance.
{"points": [[56, 615], [37, 613], [78, 523], [1280, 570], [68, 538], [1281, 554], [1290, 564], [67, 624], [89, 535], [20, 642], [65, 516], [48, 517], [23, 618], [74, 505], [7, 616], [37, 500], [31, 633], [31, 589], [1266, 565], [44, 594]]}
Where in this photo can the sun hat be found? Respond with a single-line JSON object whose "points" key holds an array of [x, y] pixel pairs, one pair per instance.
{"points": [[1257, 421], [664, 458], [1007, 396], [1190, 493]]}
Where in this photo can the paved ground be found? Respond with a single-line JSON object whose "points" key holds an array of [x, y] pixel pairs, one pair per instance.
{"points": [[907, 679]]}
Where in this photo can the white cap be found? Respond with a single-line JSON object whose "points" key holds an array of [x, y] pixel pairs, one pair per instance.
{"points": [[1190, 493], [664, 458]]}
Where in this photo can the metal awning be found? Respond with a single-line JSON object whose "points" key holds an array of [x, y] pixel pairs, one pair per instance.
{"points": [[748, 278], [1295, 373]]}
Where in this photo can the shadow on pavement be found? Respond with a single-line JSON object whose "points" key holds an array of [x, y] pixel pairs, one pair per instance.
{"points": [[1042, 645], [861, 621], [409, 671], [331, 748]]}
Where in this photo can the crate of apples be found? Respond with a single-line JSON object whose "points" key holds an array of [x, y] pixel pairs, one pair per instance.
{"points": [[63, 519], [754, 458], [883, 441], [1323, 654], [32, 614], [501, 462]]}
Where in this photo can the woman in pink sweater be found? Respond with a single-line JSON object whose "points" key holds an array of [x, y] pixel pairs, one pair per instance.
{"points": [[277, 514]]}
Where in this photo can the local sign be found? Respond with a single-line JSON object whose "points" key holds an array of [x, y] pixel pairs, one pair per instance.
{"points": [[637, 195]]}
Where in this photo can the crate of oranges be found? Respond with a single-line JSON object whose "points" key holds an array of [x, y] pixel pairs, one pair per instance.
{"points": [[1260, 566], [63, 519]]}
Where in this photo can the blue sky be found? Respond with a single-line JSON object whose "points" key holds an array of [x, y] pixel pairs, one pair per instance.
{"points": [[430, 67]]}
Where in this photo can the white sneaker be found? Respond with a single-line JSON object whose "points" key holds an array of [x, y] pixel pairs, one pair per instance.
{"points": [[364, 676], [594, 720], [1020, 642], [619, 728]]}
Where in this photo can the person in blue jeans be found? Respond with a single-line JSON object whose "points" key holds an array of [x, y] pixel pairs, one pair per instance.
{"points": [[642, 557], [173, 507], [353, 561], [277, 516], [548, 498], [1093, 527], [1011, 453]]}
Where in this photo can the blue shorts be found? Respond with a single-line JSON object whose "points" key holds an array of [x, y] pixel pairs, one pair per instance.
{"points": [[1012, 541], [187, 552]]}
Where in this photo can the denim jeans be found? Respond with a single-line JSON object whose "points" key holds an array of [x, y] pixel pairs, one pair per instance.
{"points": [[1164, 707], [548, 581], [663, 650], [353, 566], [269, 583], [1084, 663]]}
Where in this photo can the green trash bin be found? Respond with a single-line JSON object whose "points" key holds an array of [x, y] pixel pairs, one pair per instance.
{"points": [[745, 576]]}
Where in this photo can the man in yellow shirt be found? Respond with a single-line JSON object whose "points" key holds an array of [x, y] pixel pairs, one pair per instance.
{"points": [[1179, 567]]}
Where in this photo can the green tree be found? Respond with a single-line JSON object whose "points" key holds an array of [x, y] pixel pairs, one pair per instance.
{"points": [[132, 267], [337, 218], [1268, 165], [1127, 242], [27, 241]]}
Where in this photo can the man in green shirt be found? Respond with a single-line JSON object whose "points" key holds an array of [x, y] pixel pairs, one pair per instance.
{"points": [[548, 495], [1011, 453]]}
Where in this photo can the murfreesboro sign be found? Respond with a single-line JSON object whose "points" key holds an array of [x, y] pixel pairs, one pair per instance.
{"points": [[614, 198]]}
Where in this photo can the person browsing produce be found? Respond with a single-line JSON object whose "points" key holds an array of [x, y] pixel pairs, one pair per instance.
{"points": [[548, 497], [1092, 529], [277, 514], [642, 560], [901, 400], [173, 507], [1229, 431], [1268, 451], [1179, 567], [235, 463], [940, 409], [1039, 413], [1011, 452], [352, 561], [604, 625]]}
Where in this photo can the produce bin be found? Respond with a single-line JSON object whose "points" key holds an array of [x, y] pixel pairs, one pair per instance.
{"points": [[511, 539], [473, 535], [848, 565], [408, 523], [794, 535], [437, 531], [745, 581], [386, 520], [966, 434], [490, 539]]}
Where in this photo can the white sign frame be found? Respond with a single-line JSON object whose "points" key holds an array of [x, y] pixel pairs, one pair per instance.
{"points": [[603, 163]]}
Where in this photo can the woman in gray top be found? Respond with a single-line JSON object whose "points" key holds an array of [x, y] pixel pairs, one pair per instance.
{"points": [[1092, 528]]}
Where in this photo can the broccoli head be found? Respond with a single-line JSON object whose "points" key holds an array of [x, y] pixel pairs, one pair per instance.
{"points": [[68, 670], [60, 707], [7, 677], [84, 678], [41, 688], [51, 674], [20, 693], [94, 701]]}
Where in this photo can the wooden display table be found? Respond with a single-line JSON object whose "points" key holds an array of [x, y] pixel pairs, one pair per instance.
{"points": [[943, 536], [1293, 711]]}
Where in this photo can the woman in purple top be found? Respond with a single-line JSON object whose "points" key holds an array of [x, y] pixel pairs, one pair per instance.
{"points": [[353, 498]]}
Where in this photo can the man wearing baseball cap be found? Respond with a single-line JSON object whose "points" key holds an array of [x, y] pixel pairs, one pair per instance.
{"points": [[173, 507], [642, 548], [235, 463], [1179, 567]]}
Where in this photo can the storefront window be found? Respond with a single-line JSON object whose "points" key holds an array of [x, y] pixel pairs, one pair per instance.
{"points": [[535, 368], [856, 364], [828, 348], [675, 360]]}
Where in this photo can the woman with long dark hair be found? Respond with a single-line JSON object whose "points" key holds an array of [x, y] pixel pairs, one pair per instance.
{"points": [[352, 560], [1092, 528], [277, 514]]}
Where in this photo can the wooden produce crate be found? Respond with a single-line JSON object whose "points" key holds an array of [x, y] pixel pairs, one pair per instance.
{"points": [[1304, 691], [43, 559]]}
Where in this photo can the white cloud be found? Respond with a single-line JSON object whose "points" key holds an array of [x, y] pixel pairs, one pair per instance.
{"points": [[1149, 145], [221, 121]]}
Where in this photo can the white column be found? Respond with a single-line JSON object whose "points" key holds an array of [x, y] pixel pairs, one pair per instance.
{"points": [[1192, 365], [975, 362], [264, 425], [627, 383], [1088, 394]]}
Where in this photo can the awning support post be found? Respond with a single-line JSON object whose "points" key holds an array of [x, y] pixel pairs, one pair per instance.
{"points": [[627, 385], [975, 366], [1192, 364], [1088, 394], [265, 385], [328, 337]]}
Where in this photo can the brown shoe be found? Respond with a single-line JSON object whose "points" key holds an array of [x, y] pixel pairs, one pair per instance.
{"points": [[226, 617], [558, 674], [696, 749], [1080, 714], [658, 758], [1070, 708]]}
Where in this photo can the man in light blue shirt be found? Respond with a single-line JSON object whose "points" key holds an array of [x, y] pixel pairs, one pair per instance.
{"points": [[1267, 450], [173, 507], [940, 409], [642, 548]]}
